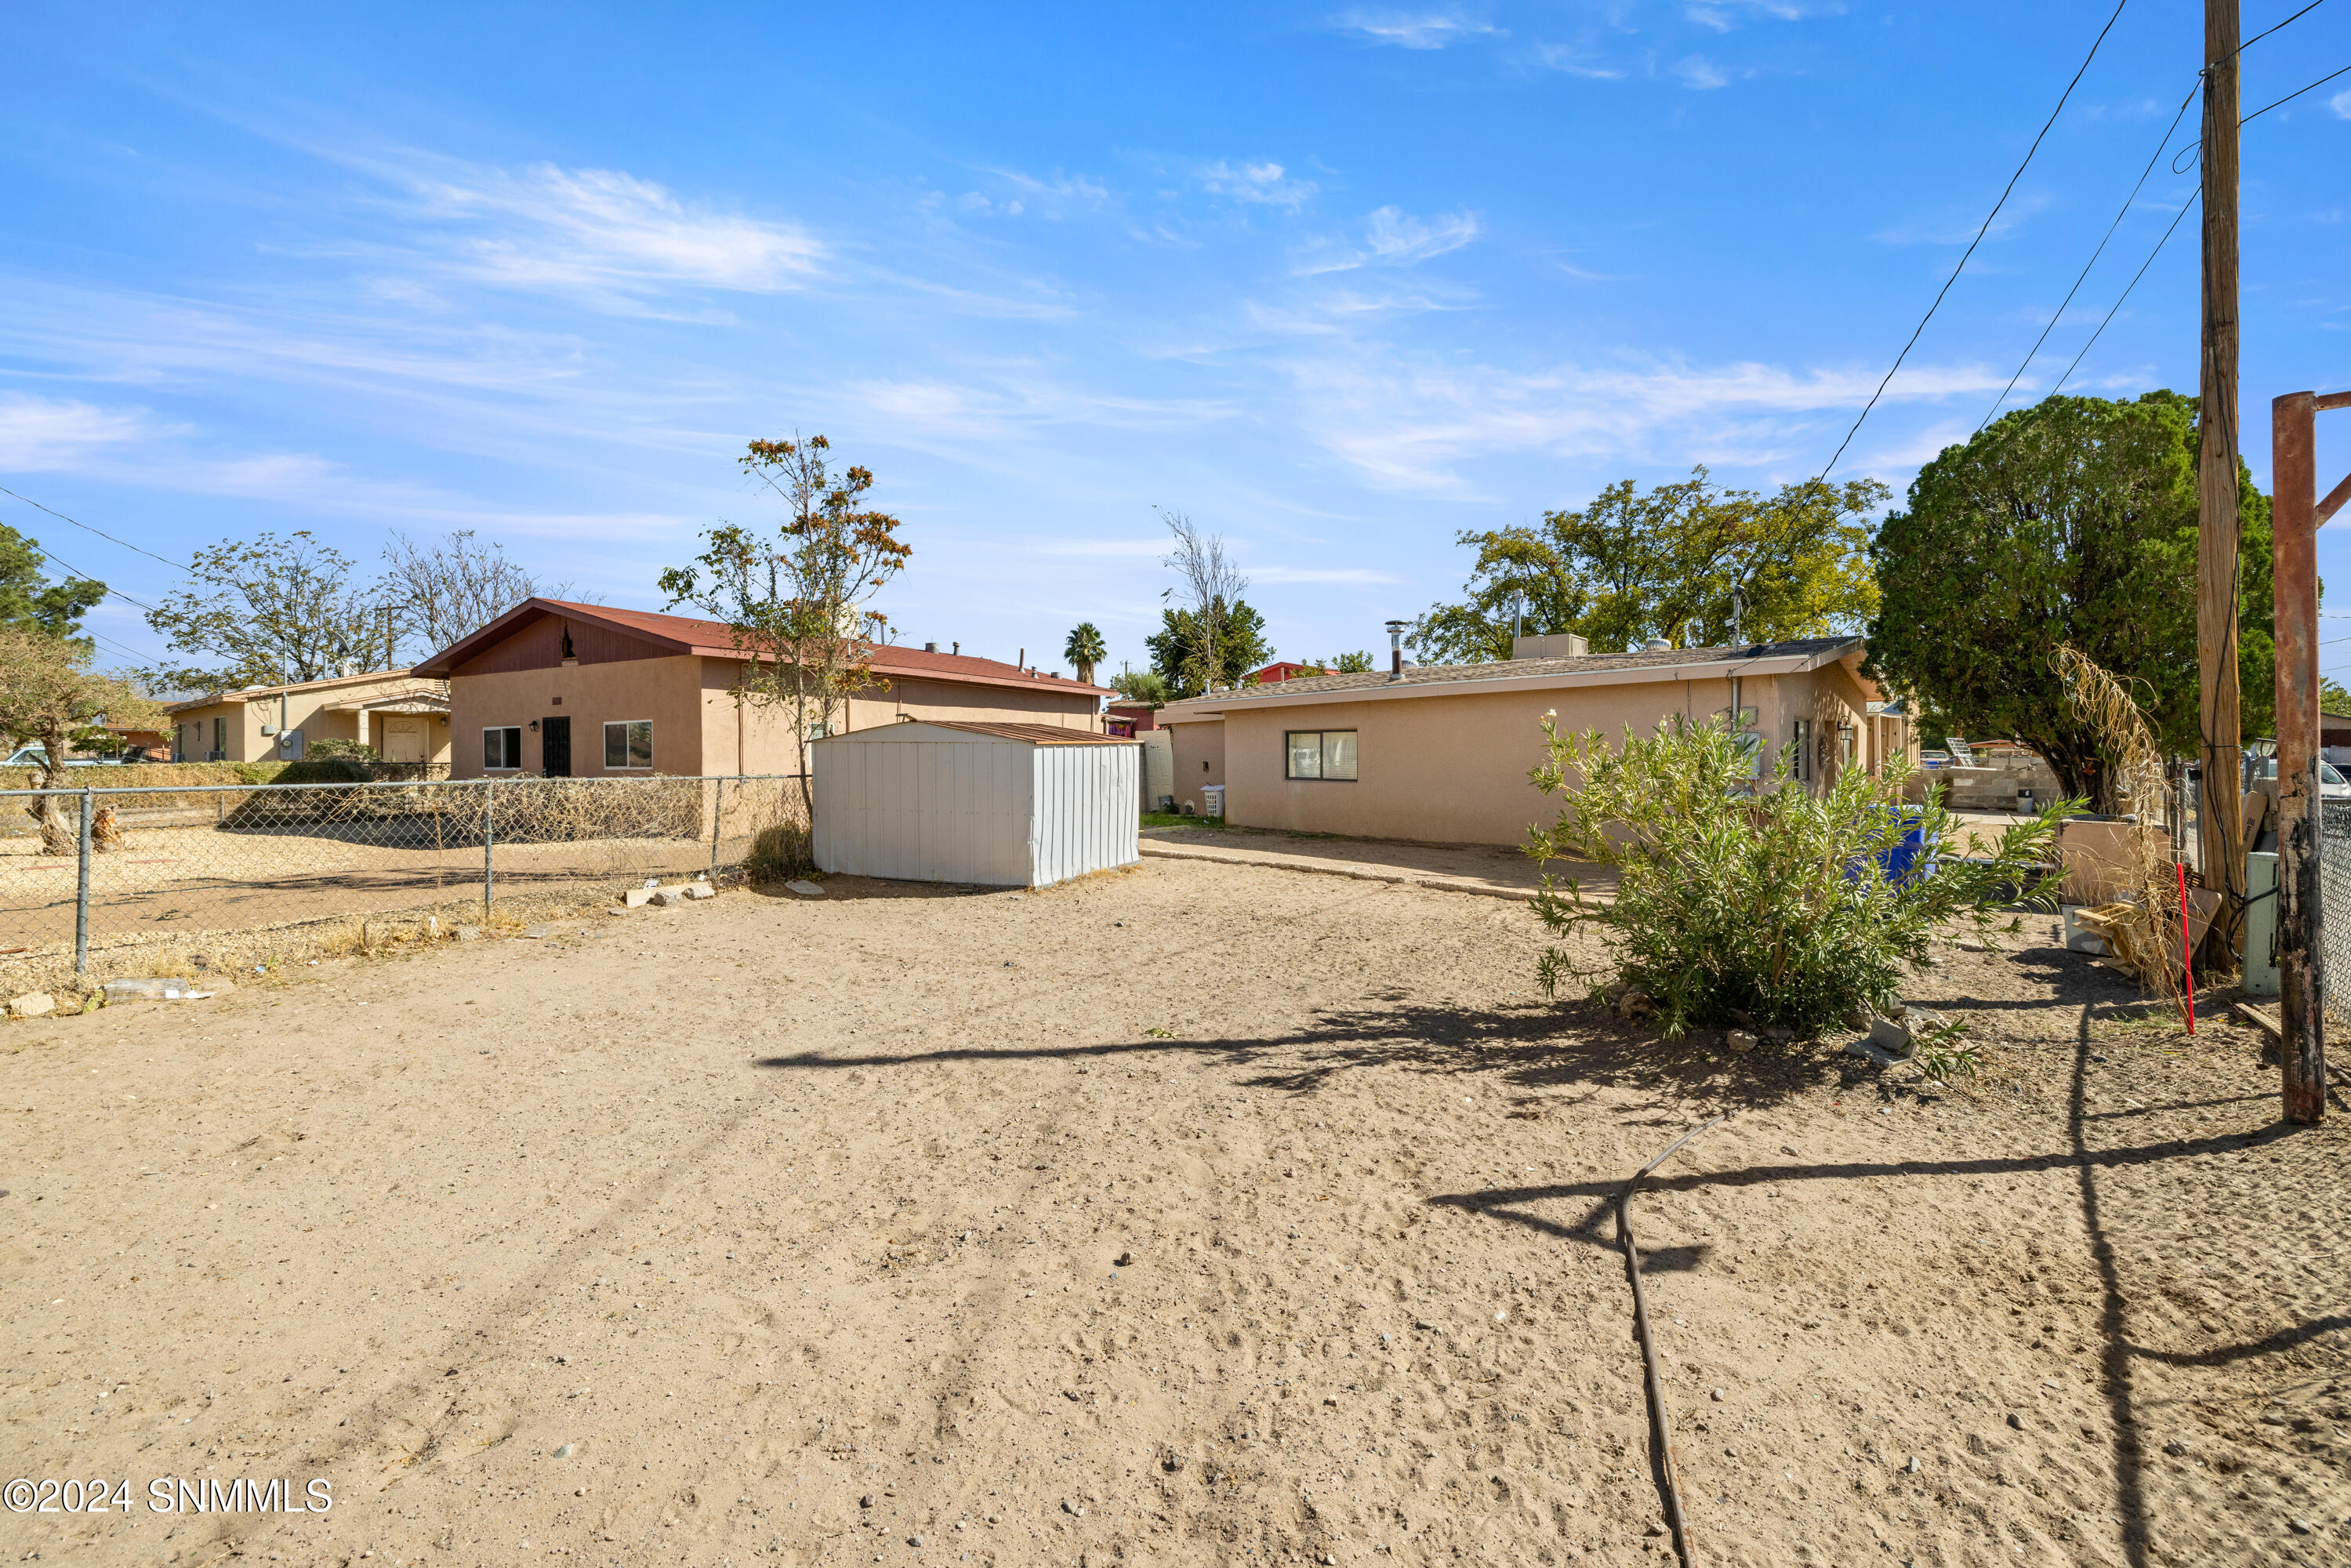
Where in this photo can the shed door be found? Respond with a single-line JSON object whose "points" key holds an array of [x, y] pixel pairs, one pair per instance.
{"points": [[555, 748]]}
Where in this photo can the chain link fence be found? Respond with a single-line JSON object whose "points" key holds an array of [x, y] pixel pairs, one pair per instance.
{"points": [[2335, 902], [94, 871]]}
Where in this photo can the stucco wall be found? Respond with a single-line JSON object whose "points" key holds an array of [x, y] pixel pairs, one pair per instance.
{"points": [[1199, 751], [305, 711], [668, 691], [1453, 768]]}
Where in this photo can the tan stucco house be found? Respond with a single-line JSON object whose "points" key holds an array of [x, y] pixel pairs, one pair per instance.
{"points": [[1441, 753], [561, 689], [403, 714]]}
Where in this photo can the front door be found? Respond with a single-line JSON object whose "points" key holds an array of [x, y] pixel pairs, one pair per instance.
{"points": [[555, 748], [403, 739]]}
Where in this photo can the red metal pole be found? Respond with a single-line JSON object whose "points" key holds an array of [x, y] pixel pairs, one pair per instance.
{"points": [[2187, 956]]}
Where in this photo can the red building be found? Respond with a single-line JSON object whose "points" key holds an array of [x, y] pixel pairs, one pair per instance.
{"points": [[1283, 671], [1130, 718]]}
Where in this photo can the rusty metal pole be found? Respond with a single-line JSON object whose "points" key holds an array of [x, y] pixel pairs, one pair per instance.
{"points": [[2301, 950], [2217, 532]]}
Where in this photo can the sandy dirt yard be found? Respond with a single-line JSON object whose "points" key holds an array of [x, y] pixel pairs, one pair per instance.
{"points": [[1194, 1214]]}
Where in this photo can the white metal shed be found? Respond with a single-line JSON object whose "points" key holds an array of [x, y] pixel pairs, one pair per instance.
{"points": [[1003, 805]]}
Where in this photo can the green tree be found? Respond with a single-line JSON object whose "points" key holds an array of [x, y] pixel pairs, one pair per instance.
{"points": [[29, 598], [2071, 521], [1633, 565], [2331, 696], [1180, 652], [796, 606], [50, 694], [1084, 650], [271, 612], [1141, 686]]}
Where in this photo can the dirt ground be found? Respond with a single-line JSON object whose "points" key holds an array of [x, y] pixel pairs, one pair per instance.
{"points": [[1195, 1214]]}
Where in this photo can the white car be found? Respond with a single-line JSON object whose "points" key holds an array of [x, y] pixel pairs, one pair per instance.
{"points": [[2332, 785]]}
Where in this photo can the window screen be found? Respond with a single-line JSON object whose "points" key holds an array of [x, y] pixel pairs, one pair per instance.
{"points": [[502, 748], [629, 743], [1319, 754]]}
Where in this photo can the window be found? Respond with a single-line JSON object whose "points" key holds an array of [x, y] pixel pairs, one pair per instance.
{"points": [[1319, 754], [629, 744], [1802, 741], [502, 748]]}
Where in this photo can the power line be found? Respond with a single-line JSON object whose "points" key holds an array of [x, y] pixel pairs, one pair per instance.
{"points": [[68, 566], [2103, 242], [126, 544], [2289, 97], [2265, 32], [2005, 192], [2126, 294]]}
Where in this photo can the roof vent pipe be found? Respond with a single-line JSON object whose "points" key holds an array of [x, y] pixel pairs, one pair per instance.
{"points": [[958, 649], [930, 647], [1395, 649]]}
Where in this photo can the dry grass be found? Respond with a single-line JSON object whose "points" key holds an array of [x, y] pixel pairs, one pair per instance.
{"points": [[2142, 927]]}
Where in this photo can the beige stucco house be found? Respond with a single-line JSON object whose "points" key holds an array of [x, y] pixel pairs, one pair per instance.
{"points": [[403, 714], [1442, 753], [561, 689]]}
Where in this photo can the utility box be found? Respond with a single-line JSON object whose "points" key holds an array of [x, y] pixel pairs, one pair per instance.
{"points": [[1002, 805], [2261, 970]]}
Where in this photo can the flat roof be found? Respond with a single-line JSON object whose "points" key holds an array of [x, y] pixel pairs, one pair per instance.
{"points": [[1036, 734], [1791, 657]]}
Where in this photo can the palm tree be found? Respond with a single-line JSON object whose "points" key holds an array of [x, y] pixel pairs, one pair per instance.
{"points": [[1085, 650]]}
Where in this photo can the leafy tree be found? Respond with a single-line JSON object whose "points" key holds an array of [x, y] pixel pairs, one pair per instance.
{"points": [[797, 608], [1356, 664], [271, 612], [1141, 686], [2331, 696], [1180, 649], [1084, 650], [2073, 522], [29, 598], [50, 694], [450, 589], [1665, 563], [1210, 637]]}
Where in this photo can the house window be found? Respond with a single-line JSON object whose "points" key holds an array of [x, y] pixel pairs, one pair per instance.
{"points": [[629, 744], [1802, 741], [502, 748], [1319, 754]]}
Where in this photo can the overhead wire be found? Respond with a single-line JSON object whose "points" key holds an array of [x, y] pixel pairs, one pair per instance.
{"points": [[126, 544], [2273, 26], [2083, 276], [2126, 294], [2005, 192], [2296, 93]]}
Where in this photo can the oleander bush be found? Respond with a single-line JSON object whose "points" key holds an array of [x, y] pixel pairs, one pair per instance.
{"points": [[1758, 902]]}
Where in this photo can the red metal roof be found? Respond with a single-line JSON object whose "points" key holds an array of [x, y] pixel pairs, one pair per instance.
{"points": [[712, 639]]}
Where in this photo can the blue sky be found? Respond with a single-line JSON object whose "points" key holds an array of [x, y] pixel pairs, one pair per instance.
{"points": [[1340, 282]]}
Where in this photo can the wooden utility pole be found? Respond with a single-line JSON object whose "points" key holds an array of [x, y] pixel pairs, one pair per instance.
{"points": [[2221, 809]]}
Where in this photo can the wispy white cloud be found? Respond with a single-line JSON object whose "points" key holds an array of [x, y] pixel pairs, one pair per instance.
{"points": [[1108, 549], [2341, 104], [1413, 30], [1342, 575], [1577, 61], [1396, 236], [1958, 228], [1698, 72], [1410, 425], [593, 231], [1264, 183], [40, 435]]}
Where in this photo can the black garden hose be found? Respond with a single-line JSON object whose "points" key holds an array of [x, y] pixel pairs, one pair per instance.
{"points": [[1659, 1433]]}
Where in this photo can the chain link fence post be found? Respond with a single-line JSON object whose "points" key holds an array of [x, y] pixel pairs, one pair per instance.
{"points": [[718, 810], [489, 841], [81, 894]]}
